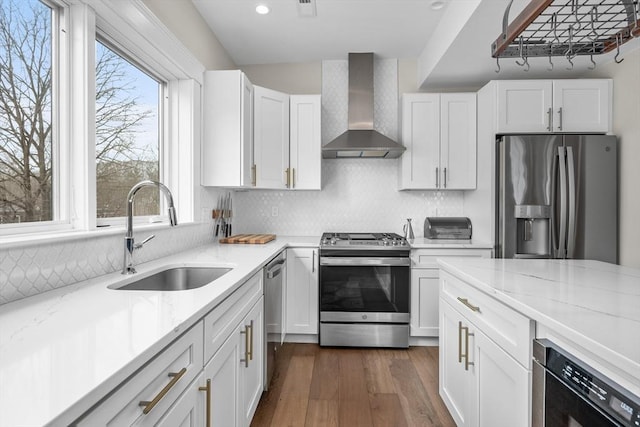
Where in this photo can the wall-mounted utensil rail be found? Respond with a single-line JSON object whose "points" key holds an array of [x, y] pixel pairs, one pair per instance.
{"points": [[567, 28]]}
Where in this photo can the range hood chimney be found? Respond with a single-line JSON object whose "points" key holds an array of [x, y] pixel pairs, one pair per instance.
{"points": [[360, 140]]}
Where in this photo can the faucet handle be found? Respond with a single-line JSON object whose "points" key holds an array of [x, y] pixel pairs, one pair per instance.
{"points": [[141, 244]]}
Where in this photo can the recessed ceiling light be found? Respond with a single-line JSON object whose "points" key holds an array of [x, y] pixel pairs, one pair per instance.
{"points": [[262, 9], [437, 5]]}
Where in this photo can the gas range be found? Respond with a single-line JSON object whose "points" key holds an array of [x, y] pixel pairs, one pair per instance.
{"points": [[386, 241]]}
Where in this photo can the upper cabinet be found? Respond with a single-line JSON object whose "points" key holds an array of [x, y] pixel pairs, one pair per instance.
{"points": [[258, 137], [227, 148], [543, 106], [271, 138], [305, 142], [439, 133]]}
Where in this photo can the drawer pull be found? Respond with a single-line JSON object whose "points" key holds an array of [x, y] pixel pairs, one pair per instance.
{"points": [[459, 342], [246, 345], [207, 390], [251, 341], [175, 377], [468, 304]]}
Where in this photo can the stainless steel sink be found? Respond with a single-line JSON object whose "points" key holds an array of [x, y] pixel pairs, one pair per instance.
{"points": [[177, 279]]}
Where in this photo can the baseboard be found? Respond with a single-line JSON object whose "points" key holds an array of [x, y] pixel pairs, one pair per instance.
{"points": [[301, 338], [423, 341]]}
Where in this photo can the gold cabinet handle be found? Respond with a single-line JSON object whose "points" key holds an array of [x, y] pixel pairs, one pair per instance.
{"points": [[293, 177], [466, 348], [254, 175], [459, 342], [246, 346], [251, 341], [150, 404], [207, 390], [468, 304], [287, 173]]}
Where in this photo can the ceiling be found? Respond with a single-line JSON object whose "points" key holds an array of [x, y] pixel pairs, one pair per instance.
{"points": [[390, 28], [454, 40]]}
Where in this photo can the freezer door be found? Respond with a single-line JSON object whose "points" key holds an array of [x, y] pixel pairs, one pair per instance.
{"points": [[592, 227]]}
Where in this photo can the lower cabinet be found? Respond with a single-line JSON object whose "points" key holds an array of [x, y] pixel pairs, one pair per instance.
{"points": [[481, 383], [217, 381], [424, 286], [301, 308]]}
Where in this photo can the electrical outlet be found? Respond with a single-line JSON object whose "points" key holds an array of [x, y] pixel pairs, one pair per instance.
{"points": [[274, 211]]}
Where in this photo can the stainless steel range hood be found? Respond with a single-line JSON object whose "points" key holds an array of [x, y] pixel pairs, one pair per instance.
{"points": [[361, 140]]}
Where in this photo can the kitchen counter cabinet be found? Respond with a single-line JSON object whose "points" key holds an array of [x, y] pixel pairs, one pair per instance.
{"points": [[587, 307], [424, 285], [485, 360], [301, 307], [305, 142], [79, 342]]}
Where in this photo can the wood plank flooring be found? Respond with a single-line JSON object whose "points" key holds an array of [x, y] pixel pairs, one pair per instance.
{"points": [[345, 387]]}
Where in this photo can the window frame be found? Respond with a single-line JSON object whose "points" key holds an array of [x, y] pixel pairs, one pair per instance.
{"points": [[118, 221], [138, 33]]}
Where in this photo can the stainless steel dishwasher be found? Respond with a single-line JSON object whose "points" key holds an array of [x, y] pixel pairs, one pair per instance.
{"points": [[274, 274]]}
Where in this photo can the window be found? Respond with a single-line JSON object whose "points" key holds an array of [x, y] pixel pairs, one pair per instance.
{"points": [[26, 112], [127, 134]]}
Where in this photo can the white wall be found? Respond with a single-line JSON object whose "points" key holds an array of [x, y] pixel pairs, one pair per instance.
{"points": [[294, 78], [182, 18], [626, 125]]}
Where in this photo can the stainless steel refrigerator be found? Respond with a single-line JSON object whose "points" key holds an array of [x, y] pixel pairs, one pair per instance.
{"points": [[557, 197]]}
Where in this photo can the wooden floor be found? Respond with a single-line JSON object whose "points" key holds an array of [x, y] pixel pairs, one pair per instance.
{"points": [[320, 386]]}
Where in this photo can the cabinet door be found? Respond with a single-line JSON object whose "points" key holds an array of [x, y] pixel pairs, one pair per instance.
{"points": [[524, 106], [227, 143], [271, 137], [502, 385], [251, 372], [302, 291], [456, 382], [189, 409], [458, 141], [582, 105], [420, 163], [305, 142], [224, 372], [424, 302]]}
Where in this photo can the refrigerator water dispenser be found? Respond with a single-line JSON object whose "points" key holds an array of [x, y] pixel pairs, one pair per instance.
{"points": [[533, 231]]}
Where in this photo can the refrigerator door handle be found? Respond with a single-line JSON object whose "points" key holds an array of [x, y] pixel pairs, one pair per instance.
{"points": [[562, 235], [554, 212], [571, 232]]}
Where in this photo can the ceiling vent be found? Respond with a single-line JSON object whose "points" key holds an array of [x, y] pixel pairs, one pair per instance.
{"points": [[307, 8]]}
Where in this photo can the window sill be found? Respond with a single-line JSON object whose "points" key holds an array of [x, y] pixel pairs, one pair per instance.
{"points": [[22, 240]]}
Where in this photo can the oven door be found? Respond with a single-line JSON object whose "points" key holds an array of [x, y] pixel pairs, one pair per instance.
{"points": [[364, 289]]}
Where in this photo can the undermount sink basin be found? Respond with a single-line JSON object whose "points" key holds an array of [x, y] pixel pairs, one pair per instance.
{"points": [[177, 279]]}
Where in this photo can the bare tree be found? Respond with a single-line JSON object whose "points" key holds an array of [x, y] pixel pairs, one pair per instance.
{"points": [[25, 112], [26, 118]]}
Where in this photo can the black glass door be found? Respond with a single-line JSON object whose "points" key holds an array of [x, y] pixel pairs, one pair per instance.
{"points": [[364, 288]]}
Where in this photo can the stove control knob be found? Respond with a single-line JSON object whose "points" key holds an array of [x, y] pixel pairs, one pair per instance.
{"points": [[395, 242], [333, 241]]}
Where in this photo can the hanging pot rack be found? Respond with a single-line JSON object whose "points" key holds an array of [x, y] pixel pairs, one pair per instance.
{"points": [[568, 28]]}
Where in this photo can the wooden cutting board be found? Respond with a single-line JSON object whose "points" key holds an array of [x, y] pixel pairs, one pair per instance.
{"points": [[249, 238]]}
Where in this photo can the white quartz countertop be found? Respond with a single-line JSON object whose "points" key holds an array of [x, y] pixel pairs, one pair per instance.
{"points": [[62, 351], [594, 304], [424, 243]]}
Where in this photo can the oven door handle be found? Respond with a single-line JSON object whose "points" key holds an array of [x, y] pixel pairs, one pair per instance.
{"points": [[355, 261]]}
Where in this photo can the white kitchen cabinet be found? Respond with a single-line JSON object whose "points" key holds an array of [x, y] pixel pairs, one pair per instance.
{"points": [[144, 398], [302, 291], [252, 363], [227, 143], [425, 287], [439, 133], [305, 142], [485, 358], [543, 106], [223, 371], [271, 138], [189, 410]]}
